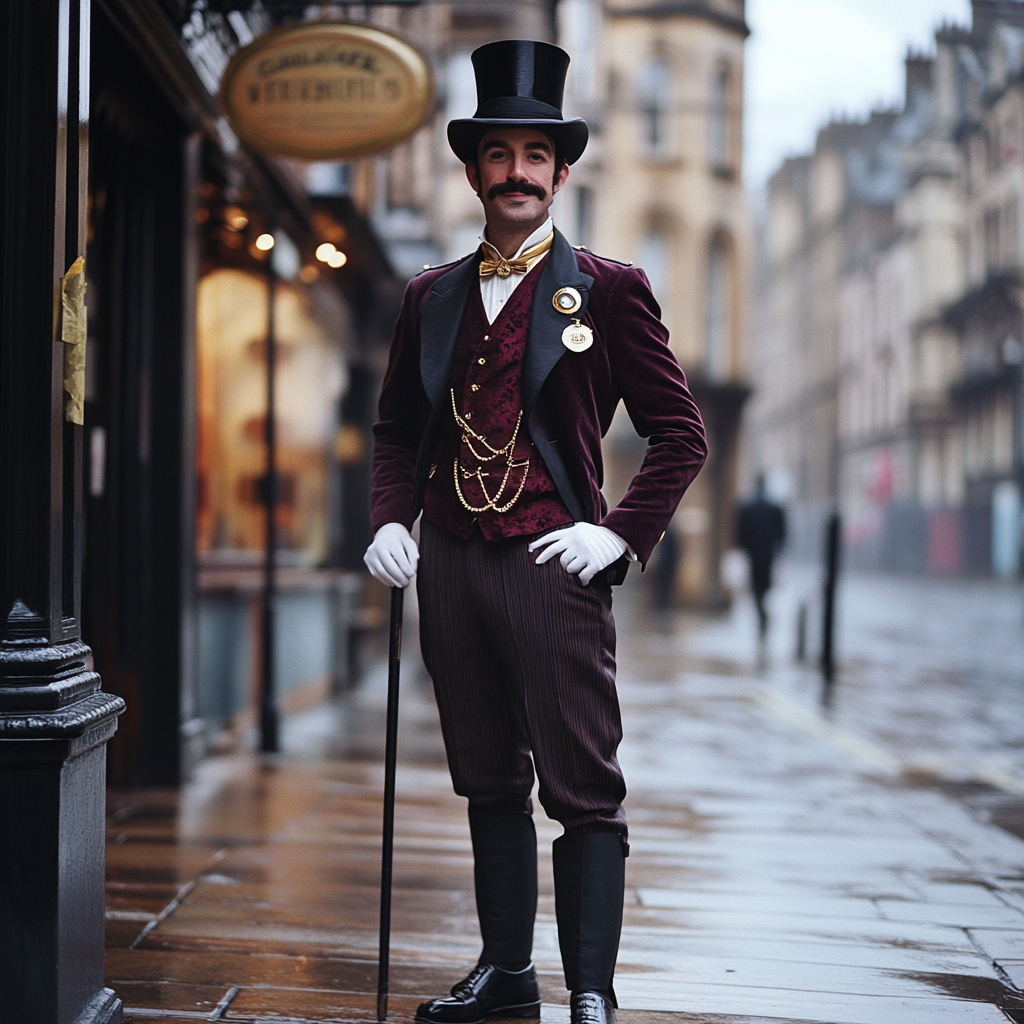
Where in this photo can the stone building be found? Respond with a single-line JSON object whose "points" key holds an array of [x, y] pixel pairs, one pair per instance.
{"points": [[901, 338], [661, 85], [666, 182]]}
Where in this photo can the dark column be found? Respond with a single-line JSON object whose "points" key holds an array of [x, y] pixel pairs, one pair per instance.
{"points": [[54, 721]]}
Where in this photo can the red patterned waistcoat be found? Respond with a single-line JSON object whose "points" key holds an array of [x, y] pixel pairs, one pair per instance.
{"points": [[486, 371]]}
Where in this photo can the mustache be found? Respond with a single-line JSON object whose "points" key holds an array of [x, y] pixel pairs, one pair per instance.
{"points": [[526, 187]]}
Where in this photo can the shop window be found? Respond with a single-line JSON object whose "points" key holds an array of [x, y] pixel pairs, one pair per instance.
{"points": [[231, 343]]}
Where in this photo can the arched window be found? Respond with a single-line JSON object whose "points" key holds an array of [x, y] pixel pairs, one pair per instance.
{"points": [[719, 140], [654, 260], [718, 308], [655, 92]]}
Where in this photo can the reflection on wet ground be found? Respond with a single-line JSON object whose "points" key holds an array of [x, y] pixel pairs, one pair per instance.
{"points": [[783, 866]]}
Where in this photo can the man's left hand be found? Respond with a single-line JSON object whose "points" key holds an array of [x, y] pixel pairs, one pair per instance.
{"points": [[584, 548]]}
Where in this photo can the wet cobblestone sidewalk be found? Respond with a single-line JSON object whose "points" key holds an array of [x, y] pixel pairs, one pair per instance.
{"points": [[783, 868]]}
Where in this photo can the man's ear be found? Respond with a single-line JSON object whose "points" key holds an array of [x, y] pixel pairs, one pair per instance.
{"points": [[560, 178], [473, 177]]}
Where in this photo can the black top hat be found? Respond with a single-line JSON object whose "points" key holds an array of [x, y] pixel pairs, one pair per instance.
{"points": [[519, 83]]}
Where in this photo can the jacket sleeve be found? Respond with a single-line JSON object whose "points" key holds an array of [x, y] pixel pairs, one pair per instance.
{"points": [[402, 416], [661, 408]]}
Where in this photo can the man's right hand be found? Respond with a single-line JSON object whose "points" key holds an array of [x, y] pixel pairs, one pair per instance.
{"points": [[393, 555]]}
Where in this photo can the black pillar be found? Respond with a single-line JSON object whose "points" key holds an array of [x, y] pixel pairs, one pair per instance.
{"points": [[54, 721]]}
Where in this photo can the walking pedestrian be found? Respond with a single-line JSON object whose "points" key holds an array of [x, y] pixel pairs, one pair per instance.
{"points": [[761, 533], [505, 370]]}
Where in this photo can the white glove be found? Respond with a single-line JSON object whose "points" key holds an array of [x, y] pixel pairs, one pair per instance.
{"points": [[585, 549], [393, 555]]}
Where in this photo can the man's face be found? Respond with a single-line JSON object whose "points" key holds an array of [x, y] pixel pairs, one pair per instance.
{"points": [[515, 175]]}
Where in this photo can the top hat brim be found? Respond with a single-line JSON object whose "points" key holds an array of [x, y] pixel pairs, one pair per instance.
{"points": [[464, 135]]}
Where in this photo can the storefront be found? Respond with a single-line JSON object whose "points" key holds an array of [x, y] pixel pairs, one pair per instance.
{"points": [[175, 412]]}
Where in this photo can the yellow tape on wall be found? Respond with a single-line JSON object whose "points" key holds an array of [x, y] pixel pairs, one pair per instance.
{"points": [[73, 333]]}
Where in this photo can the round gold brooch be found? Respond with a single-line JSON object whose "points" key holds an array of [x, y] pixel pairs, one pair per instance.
{"points": [[567, 301]]}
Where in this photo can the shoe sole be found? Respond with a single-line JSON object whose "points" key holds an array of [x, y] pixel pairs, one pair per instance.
{"points": [[523, 1010]]}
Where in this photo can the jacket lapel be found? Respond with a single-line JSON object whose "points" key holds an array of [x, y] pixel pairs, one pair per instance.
{"points": [[544, 344], [543, 350], [440, 323]]}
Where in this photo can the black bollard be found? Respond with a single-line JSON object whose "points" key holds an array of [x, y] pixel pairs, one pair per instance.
{"points": [[832, 542], [801, 632]]}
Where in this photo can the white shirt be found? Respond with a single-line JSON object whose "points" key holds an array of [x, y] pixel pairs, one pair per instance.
{"points": [[496, 291]]}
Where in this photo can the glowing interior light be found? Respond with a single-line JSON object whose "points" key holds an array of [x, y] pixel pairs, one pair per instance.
{"points": [[337, 259], [265, 242], [325, 251]]}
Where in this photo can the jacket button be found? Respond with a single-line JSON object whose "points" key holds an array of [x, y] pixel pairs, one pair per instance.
{"points": [[468, 416], [481, 360], [487, 337], [474, 387]]}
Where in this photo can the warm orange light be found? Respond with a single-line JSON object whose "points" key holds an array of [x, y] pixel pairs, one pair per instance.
{"points": [[265, 242], [236, 218], [337, 259], [325, 251]]}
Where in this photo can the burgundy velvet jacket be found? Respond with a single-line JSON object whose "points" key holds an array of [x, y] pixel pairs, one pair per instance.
{"points": [[569, 398], [487, 370]]}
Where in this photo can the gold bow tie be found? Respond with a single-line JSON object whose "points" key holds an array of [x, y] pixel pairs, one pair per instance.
{"points": [[494, 263]]}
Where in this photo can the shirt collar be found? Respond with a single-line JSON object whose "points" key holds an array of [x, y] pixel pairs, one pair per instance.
{"points": [[538, 236]]}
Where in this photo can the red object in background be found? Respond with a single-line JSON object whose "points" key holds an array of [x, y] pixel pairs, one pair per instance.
{"points": [[945, 542], [884, 477]]}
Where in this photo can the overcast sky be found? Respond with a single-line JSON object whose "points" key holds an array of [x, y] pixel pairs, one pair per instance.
{"points": [[808, 60]]}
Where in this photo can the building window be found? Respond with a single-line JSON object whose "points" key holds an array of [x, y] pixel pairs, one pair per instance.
{"points": [[717, 315], [992, 240], [719, 141], [1011, 233], [584, 215], [654, 262], [655, 87]]}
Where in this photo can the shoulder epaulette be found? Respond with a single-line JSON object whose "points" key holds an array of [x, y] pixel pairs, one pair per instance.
{"points": [[441, 266], [607, 259]]}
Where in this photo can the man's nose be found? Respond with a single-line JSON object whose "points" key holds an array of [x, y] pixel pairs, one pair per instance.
{"points": [[518, 169]]}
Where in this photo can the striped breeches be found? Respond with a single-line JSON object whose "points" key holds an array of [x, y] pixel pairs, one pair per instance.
{"points": [[523, 662]]}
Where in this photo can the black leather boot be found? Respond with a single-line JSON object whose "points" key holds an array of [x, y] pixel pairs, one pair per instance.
{"points": [[505, 874], [590, 878], [488, 991], [504, 983]]}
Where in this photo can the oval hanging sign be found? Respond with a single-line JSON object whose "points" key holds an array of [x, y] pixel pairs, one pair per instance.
{"points": [[327, 91]]}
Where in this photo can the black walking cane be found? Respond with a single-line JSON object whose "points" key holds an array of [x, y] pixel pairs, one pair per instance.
{"points": [[387, 846]]}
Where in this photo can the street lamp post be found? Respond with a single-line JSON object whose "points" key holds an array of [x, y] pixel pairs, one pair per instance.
{"points": [[270, 741]]}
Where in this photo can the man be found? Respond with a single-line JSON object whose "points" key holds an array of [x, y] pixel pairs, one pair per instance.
{"points": [[505, 371], [761, 532]]}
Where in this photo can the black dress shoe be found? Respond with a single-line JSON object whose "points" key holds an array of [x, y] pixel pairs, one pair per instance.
{"points": [[591, 1008], [488, 991]]}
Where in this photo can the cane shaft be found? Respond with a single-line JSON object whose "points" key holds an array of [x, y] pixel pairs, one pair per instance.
{"points": [[387, 846]]}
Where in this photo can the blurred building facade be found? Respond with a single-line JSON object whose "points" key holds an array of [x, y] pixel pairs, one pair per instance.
{"points": [[661, 85], [175, 402], [888, 288], [175, 397]]}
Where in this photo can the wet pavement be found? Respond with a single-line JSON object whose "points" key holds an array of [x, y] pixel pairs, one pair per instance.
{"points": [[789, 861]]}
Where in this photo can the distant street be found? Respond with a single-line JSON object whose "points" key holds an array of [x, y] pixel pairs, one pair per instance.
{"points": [[931, 671], [783, 867]]}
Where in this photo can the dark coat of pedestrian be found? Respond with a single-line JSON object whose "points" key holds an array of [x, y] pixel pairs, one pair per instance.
{"points": [[761, 533]]}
